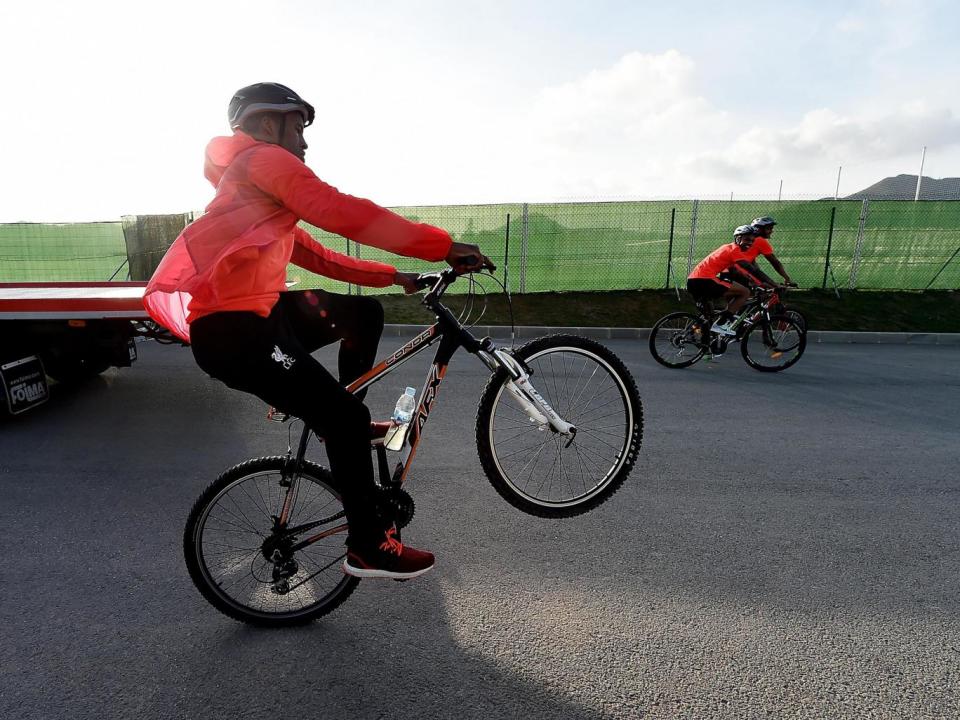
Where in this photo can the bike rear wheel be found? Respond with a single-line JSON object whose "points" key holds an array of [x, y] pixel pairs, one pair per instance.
{"points": [[675, 340], [773, 346], [547, 474], [249, 571]]}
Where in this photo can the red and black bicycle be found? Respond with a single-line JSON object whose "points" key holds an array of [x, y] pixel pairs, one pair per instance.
{"points": [[558, 429], [772, 338]]}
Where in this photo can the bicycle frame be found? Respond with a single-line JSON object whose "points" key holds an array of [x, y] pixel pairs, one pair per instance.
{"points": [[756, 309], [451, 335]]}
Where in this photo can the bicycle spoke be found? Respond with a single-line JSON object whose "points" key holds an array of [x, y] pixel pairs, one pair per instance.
{"points": [[560, 472], [237, 569]]}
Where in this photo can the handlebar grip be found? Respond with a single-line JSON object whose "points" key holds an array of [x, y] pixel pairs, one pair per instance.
{"points": [[474, 260]]}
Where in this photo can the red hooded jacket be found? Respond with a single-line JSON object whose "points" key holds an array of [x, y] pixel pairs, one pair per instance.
{"points": [[234, 257]]}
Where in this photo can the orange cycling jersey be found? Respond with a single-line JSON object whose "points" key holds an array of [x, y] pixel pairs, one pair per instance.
{"points": [[761, 246], [718, 261], [234, 257]]}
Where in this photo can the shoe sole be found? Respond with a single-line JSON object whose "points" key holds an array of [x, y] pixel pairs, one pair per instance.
{"points": [[388, 574]]}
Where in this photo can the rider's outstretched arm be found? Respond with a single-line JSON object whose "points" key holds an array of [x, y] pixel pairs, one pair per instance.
{"points": [[312, 256], [778, 266], [755, 274], [283, 176]]}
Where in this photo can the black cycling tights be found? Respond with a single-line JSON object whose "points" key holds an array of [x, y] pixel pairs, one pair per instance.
{"points": [[270, 358]]}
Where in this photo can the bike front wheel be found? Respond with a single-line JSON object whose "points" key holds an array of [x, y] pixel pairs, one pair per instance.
{"points": [[675, 340], [542, 472], [798, 317], [251, 570], [775, 345]]}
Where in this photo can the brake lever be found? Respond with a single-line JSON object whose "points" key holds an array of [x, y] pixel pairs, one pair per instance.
{"points": [[425, 281]]}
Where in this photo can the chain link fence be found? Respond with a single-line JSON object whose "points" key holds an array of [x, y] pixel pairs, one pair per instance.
{"points": [[596, 246]]}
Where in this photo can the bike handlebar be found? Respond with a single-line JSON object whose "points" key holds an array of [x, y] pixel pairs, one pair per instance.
{"points": [[433, 280]]}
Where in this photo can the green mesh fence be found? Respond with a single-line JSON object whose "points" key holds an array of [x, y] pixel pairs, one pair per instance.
{"points": [[33, 252], [574, 246]]}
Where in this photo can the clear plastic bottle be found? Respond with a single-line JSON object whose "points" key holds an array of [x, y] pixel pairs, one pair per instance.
{"points": [[402, 415], [406, 404]]}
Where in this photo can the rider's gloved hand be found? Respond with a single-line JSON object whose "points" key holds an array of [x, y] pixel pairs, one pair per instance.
{"points": [[408, 281], [468, 258]]}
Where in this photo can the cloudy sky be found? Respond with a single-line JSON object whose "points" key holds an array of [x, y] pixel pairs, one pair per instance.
{"points": [[107, 106]]}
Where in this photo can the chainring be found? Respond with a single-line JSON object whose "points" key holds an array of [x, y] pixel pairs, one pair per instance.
{"points": [[718, 346], [398, 505]]}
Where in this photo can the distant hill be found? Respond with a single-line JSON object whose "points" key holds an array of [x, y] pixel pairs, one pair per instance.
{"points": [[904, 187]]}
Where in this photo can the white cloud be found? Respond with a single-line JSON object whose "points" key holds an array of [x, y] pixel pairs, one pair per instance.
{"points": [[621, 129], [824, 136], [643, 127], [638, 95], [851, 23], [403, 122]]}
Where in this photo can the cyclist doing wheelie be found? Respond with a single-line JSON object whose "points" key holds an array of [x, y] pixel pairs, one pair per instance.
{"points": [[221, 287]]}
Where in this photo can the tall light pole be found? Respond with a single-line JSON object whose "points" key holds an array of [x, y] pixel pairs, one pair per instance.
{"points": [[923, 156], [836, 193]]}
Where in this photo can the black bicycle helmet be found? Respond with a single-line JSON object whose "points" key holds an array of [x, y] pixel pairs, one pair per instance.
{"points": [[764, 221], [266, 97], [744, 230]]}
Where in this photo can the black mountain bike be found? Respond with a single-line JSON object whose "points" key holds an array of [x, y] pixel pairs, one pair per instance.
{"points": [[769, 342], [558, 429]]}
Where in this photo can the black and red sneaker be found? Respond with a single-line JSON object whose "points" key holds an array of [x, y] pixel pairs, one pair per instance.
{"points": [[390, 559]]}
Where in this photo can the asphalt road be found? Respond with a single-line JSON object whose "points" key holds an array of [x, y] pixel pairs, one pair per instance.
{"points": [[786, 547]]}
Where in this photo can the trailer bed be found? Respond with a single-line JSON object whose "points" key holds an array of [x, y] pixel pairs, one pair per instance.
{"points": [[72, 301], [68, 331]]}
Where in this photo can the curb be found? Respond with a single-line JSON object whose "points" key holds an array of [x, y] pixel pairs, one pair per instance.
{"points": [[618, 333]]}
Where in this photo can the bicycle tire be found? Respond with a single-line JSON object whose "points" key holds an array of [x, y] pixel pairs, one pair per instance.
{"points": [[198, 559], [792, 350], [498, 418], [798, 317], [678, 339]]}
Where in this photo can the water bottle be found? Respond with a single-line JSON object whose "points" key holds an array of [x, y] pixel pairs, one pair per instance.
{"points": [[406, 404], [402, 415]]}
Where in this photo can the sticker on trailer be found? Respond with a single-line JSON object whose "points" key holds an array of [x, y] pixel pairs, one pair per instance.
{"points": [[24, 383]]}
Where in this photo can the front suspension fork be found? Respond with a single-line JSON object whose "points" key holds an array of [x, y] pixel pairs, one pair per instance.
{"points": [[523, 391]]}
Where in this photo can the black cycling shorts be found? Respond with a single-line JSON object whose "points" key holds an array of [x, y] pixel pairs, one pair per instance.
{"points": [[705, 288]]}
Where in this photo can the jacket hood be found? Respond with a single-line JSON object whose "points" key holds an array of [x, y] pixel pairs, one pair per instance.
{"points": [[221, 151]]}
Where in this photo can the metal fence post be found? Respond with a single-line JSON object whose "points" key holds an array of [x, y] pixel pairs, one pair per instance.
{"points": [[506, 259], [855, 265], [673, 221], [826, 264], [693, 236], [524, 228]]}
